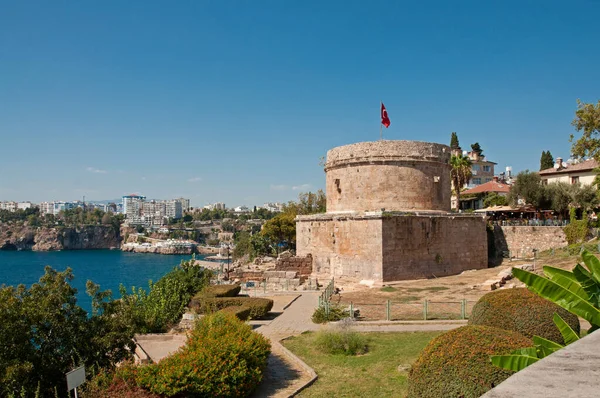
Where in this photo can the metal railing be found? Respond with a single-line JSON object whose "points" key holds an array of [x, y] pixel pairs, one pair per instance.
{"points": [[530, 223], [401, 311]]}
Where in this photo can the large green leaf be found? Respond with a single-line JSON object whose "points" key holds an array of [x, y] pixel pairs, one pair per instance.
{"points": [[592, 263], [588, 284], [567, 280], [545, 347], [559, 295], [513, 362], [568, 334]]}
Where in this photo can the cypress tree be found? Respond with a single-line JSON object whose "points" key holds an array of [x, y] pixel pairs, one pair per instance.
{"points": [[454, 141]]}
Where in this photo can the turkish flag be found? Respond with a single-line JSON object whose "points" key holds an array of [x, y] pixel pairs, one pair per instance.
{"points": [[385, 120]]}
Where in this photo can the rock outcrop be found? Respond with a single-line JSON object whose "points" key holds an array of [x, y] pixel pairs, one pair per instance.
{"points": [[87, 237]]}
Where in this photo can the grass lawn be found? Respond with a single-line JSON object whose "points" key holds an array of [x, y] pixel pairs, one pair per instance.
{"points": [[375, 374]]}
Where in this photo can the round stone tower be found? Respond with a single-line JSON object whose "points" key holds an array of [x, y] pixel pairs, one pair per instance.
{"points": [[390, 175]]}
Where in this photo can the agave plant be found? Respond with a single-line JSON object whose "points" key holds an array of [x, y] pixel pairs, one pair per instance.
{"points": [[577, 291]]}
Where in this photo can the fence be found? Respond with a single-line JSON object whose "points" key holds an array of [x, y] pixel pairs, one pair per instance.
{"points": [[524, 222], [402, 311]]}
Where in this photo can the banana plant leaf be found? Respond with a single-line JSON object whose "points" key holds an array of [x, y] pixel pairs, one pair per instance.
{"points": [[513, 362], [545, 347], [588, 284], [554, 292], [569, 281], [568, 334], [592, 263]]}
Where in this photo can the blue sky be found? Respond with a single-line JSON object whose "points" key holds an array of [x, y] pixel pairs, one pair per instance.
{"points": [[237, 101]]}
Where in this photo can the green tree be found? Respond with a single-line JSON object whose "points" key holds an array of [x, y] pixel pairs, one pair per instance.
{"points": [[528, 187], [477, 149], [560, 196], [454, 141], [281, 229], [460, 173], [587, 121], [546, 160], [493, 199], [44, 334], [308, 203]]}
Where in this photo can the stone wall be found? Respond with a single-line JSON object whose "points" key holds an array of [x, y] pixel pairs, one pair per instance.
{"points": [[432, 246], [302, 265], [390, 175], [341, 244], [520, 241], [388, 247]]}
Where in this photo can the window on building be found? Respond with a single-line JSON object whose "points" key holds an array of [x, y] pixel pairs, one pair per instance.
{"points": [[476, 181], [488, 179], [475, 167], [574, 180], [487, 168]]}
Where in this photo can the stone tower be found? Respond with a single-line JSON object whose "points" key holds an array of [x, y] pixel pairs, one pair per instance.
{"points": [[388, 215]]}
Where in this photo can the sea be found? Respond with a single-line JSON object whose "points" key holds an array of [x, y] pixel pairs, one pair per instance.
{"points": [[107, 268]]}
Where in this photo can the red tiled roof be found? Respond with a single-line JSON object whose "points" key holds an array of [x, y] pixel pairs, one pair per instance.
{"points": [[490, 186], [586, 165]]}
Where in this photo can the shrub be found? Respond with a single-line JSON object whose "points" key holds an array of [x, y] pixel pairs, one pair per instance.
{"points": [[457, 363], [342, 340], [241, 312], [335, 313], [162, 306], [223, 357], [215, 291], [259, 307], [221, 290], [521, 311]]}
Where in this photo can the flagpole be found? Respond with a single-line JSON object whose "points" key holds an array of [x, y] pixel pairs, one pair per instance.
{"points": [[380, 123]]}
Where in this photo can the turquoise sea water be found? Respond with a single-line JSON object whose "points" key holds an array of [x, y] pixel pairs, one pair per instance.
{"points": [[108, 268]]}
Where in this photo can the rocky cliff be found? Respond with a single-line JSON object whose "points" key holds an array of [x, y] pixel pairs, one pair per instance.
{"points": [[18, 237]]}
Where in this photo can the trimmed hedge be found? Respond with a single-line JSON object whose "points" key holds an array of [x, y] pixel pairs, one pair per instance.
{"points": [[241, 312], [222, 358], [259, 307], [220, 291], [457, 363], [215, 291], [521, 311]]}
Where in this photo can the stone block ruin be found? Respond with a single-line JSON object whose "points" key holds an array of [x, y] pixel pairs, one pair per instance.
{"points": [[388, 216]]}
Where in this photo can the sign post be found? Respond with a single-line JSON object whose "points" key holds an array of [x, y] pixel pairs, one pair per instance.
{"points": [[75, 378]]}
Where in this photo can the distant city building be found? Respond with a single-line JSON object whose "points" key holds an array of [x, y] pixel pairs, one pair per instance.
{"points": [[24, 205], [174, 209], [241, 209], [216, 206], [10, 206], [132, 208], [46, 208], [185, 204], [274, 207]]}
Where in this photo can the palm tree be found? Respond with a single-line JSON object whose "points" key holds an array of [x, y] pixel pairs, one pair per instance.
{"points": [[460, 174]]}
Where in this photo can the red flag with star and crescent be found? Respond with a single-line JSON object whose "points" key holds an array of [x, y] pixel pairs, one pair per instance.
{"points": [[385, 120]]}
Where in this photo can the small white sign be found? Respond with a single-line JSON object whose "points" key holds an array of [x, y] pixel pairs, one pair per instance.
{"points": [[75, 378]]}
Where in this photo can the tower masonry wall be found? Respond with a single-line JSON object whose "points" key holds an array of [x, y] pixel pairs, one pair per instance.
{"points": [[390, 175], [348, 245], [432, 246], [389, 247]]}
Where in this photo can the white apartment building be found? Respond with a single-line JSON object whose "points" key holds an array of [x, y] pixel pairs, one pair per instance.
{"points": [[274, 207], [132, 208], [10, 206], [185, 204], [46, 208], [173, 209]]}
